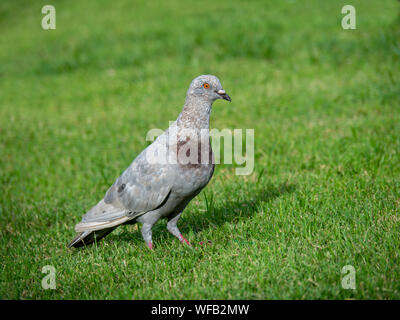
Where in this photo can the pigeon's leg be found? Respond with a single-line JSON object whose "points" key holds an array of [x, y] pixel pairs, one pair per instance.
{"points": [[173, 228], [146, 233]]}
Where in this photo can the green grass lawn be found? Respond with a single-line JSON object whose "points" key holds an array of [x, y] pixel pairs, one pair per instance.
{"points": [[76, 104]]}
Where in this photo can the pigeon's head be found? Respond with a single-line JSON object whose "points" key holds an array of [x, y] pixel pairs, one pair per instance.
{"points": [[206, 88]]}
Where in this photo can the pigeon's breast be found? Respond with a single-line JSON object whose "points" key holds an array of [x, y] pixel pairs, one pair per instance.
{"points": [[195, 166]]}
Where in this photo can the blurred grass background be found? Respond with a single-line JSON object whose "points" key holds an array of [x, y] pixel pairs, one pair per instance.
{"points": [[76, 104]]}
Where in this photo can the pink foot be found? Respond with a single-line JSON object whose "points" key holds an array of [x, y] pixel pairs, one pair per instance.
{"points": [[184, 240], [150, 245]]}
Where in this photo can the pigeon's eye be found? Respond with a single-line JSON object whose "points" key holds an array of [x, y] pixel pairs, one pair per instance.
{"points": [[206, 85]]}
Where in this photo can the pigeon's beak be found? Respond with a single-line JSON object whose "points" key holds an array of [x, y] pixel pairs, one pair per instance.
{"points": [[223, 95]]}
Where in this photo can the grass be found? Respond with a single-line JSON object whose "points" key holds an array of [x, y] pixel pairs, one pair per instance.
{"points": [[76, 104]]}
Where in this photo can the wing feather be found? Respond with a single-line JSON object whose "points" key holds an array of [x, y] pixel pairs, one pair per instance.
{"points": [[142, 187]]}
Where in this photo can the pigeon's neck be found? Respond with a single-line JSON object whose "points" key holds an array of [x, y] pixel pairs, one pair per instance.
{"points": [[195, 115]]}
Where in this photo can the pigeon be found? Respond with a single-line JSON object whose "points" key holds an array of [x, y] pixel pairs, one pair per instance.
{"points": [[164, 177]]}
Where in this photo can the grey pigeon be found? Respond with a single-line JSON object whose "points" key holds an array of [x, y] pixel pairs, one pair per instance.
{"points": [[164, 177]]}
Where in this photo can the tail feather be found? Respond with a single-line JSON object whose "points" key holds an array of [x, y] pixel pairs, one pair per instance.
{"points": [[88, 237]]}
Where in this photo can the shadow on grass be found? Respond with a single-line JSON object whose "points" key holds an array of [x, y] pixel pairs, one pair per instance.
{"points": [[215, 216], [233, 211]]}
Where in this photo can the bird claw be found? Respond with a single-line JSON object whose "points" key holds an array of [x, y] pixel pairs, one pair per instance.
{"points": [[184, 240], [150, 245]]}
